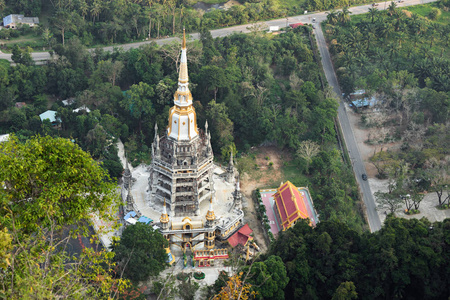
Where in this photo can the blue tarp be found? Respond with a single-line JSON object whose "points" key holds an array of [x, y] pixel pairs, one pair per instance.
{"points": [[130, 215], [145, 220], [365, 102]]}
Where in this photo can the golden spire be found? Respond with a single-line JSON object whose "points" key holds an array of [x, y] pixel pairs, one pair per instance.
{"points": [[183, 77], [164, 216], [182, 117], [210, 216], [183, 45]]}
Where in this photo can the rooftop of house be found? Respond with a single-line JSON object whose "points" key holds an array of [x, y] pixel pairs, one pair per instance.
{"points": [[4, 138], [240, 237], [49, 114], [16, 18], [293, 203]]}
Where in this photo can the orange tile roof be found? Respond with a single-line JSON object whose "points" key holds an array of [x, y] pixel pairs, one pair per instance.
{"points": [[291, 205]]}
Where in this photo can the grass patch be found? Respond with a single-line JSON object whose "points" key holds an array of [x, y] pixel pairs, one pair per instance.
{"points": [[29, 37], [209, 1], [425, 9], [292, 173]]}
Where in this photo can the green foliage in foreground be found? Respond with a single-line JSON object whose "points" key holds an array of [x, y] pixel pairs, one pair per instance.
{"points": [[406, 258], [140, 252], [50, 181]]}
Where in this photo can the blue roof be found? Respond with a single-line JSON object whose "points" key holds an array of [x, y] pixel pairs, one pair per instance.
{"points": [[50, 115], [145, 220], [365, 102], [130, 215]]}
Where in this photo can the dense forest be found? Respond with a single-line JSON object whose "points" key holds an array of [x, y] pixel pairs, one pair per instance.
{"points": [[402, 59], [106, 22], [406, 259]]}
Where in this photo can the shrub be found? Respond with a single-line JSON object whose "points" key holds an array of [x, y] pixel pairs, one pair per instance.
{"points": [[182, 276], [199, 275], [434, 14]]}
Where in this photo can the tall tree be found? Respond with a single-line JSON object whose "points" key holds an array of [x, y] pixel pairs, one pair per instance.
{"points": [[140, 252], [50, 180], [138, 101]]}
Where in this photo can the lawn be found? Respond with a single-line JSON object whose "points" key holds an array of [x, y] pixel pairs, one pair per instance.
{"points": [[30, 37], [208, 1], [424, 11]]}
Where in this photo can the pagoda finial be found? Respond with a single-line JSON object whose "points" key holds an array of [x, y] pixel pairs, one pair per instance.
{"points": [[183, 45], [210, 216], [164, 219]]}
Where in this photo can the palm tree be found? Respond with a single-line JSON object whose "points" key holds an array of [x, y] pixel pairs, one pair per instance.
{"points": [[373, 12], [392, 9], [83, 7], [96, 9], [2, 5], [344, 15], [332, 17]]}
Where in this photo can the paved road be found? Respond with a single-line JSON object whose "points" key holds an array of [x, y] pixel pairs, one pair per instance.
{"points": [[42, 56], [352, 145]]}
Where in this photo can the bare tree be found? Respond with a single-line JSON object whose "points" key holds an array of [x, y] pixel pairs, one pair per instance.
{"points": [[307, 150]]}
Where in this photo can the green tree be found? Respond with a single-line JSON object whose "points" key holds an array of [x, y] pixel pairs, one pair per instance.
{"points": [[64, 21], [221, 126], [187, 289], [345, 291], [269, 278], [138, 101], [140, 252], [390, 201], [50, 180]]}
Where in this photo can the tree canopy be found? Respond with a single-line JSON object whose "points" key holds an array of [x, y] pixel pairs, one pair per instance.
{"points": [[50, 180], [140, 252], [406, 258]]}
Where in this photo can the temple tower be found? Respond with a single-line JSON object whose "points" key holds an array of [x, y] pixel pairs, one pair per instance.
{"points": [[237, 195], [230, 169], [127, 175], [164, 220], [182, 165], [210, 235], [130, 201]]}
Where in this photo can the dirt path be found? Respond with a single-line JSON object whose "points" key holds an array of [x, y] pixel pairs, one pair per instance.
{"points": [[264, 176]]}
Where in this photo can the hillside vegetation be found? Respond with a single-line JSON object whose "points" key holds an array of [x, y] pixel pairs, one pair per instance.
{"points": [[402, 59]]}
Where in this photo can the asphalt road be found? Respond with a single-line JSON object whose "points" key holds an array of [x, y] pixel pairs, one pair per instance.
{"points": [[42, 56], [350, 141]]}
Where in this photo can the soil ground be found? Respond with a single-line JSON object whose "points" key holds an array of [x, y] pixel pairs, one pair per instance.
{"points": [[428, 207], [261, 168]]}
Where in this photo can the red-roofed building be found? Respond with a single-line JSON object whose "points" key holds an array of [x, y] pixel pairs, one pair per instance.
{"points": [[291, 204], [293, 26], [242, 236]]}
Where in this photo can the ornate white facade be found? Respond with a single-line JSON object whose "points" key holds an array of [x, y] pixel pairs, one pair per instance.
{"points": [[182, 166]]}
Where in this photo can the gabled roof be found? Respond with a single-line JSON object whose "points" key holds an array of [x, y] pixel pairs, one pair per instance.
{"points": [[293, 204], [49, 114], [241, 236]]}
